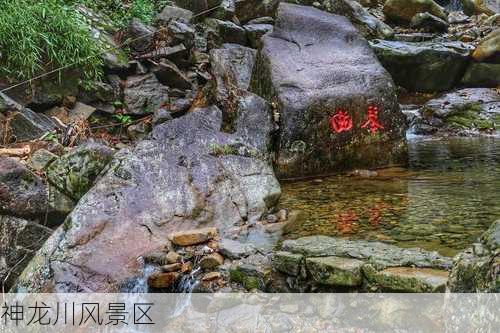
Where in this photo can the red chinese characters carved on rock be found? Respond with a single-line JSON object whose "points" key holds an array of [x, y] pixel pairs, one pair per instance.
{"points": [[372, 121], [340, 121]]}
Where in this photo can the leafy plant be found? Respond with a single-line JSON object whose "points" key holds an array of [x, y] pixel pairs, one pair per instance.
{"points": [[125, 120], [40, 35]]}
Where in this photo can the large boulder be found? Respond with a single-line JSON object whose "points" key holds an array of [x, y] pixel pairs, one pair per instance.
{"points": [[403, 11], [20, 239], [477, 269], [186, 175], [425, 66], [313, 63]]}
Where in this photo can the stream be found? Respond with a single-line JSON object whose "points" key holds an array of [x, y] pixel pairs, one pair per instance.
{"points": [[447, 197]]}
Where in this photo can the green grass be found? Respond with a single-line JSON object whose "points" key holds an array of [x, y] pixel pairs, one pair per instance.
{"points": [[37, 36]]}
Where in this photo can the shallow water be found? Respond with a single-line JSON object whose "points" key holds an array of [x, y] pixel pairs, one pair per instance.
{"points": [[447, 197]]}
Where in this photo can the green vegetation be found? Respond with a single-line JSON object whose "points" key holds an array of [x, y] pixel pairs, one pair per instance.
{"points": [[37, 36]]}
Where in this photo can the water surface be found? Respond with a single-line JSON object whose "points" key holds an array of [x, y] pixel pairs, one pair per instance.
{"points": [[447, 197]]}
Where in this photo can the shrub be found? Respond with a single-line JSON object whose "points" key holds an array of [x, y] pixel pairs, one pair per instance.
{"points": [[40, 35]]}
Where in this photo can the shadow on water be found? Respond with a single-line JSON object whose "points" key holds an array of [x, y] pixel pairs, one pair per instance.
{"points": [[447, 197]]}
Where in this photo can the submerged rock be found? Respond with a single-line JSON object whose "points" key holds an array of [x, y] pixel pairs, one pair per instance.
{"points": [[308, 69], [167, 182], [424, 67]]}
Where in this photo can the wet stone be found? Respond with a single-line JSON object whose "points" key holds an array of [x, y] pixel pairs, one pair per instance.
{"points": [[211, 261], [288, 263], [193, 237], [162, 280], [408, 279], [171, 267], [173, 257], [233, 249], [335, 271]]}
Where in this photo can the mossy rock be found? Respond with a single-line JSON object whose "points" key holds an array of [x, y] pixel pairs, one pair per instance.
{"points": [[75, 172]]}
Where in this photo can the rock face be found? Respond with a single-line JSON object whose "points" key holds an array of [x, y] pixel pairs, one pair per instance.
{"points": [[75, 172], [19, 240], [404, 10], [425, 66], [308, 69], [478, 269], [331, 263], [170, 182]]}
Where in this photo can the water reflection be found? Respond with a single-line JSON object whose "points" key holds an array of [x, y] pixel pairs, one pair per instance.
{"points": [[445, 199]]}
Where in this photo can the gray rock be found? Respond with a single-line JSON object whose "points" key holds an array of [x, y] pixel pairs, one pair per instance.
{"points": [[115, 59], [247, 10], [199, 5], [80, 111], [232, 66], [380, 254], [424, 67], [75, 172], [482, 75], [143, 94], [160, 116], [227, 32], [20, 241], [167, 182], [429, 22], [232, 249], [27, 125], [22, 193], [170, 75], [309, 70], [141, 35], [180, 31], [226, 11], [255, 33], [368, 25], [415, 37], [40, 159], [170, 12]]}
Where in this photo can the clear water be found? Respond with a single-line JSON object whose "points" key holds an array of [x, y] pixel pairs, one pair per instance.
{"points": [[447, 197]]}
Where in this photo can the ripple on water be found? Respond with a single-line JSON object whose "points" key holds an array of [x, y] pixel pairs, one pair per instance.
{"points": [[447, 197]]}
